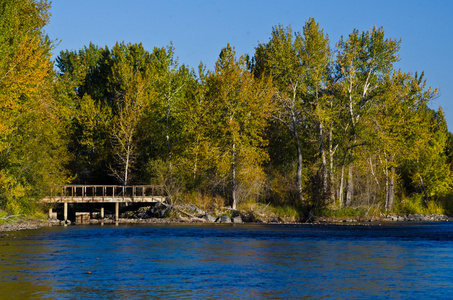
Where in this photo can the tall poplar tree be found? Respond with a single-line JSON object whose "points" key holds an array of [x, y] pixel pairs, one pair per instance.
{"points": [[239, 106], [364, 59], [280, 59], [130, 83], [299, 65], [398, 126]]}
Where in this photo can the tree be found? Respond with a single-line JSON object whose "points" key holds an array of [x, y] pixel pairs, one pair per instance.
{"points": [[279, 58], [32, 152], [362, 63], [315, 55], [131, 89], [87, 101], [426, 170], [299, 67], [239, 106], [105, 92], [24, 58], [398, 125], [196, 154]]}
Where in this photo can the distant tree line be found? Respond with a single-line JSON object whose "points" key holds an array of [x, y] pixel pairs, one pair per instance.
{"points": [[298, 124]]}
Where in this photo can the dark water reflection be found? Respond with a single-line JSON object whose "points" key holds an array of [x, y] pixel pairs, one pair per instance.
{"points": [[241, 262]]}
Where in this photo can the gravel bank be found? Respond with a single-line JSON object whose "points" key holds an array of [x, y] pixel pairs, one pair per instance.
{"points": [[25, 224]]}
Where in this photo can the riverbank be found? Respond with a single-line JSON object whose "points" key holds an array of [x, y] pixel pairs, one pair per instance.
{"points": [[385, 218], [24, 224], [28, 224]]}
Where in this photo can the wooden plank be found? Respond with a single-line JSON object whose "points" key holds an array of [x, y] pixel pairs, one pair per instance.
{"points": [[101, 199]]}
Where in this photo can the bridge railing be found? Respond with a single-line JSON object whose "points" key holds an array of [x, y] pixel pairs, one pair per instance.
{"points": [[106, 191]]}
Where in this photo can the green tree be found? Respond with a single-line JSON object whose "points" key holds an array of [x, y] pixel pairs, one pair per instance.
{"points": [[315, 55], [427, 170], [196, 154], [362, 63], [239, 106], [399, 126], [83, 89], [279, 58], [300, 67], [130, 81], [105, 92]]}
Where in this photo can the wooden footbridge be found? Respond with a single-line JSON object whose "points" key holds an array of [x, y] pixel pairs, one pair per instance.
{"points": [[104, 194]]}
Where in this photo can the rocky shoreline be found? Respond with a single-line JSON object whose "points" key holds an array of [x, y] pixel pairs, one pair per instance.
{"points": [[27, 224], [386, 218]]}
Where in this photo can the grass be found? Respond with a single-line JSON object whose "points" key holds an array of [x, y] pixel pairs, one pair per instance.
{"points": [[3, 216], [285, 211], [415, 205], [446, 202], [342, 212], [262, 209]]}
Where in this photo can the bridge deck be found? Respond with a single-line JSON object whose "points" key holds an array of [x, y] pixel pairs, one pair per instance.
{"points": [[101, 199], [104, 194]]}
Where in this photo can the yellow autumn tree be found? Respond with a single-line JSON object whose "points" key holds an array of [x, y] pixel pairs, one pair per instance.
{"points": [[238, 107], [31, 146]]}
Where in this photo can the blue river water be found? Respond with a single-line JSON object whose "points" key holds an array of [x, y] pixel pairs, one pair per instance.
{"points": [[387, 261]]}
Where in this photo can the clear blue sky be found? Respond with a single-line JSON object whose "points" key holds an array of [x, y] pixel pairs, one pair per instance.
{"points": [[199, 29]]}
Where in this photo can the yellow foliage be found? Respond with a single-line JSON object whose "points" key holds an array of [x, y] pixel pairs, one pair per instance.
{"points": [[32, 151]]}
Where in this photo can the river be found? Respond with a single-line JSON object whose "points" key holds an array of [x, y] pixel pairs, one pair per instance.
{"points": [[387, 261]]}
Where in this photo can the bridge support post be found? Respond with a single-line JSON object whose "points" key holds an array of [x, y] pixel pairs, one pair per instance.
{"points": [[65, 212], [117, 211], [50, 212], [102, 212]]}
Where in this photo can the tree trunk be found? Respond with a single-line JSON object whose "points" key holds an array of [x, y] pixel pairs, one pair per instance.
{"points": [[390, 189], [196, 158], [425, 198], [299, 171], [299, 160], [127, 165], [349, 187], [340, 192], [233, 174], [169, 146], [324, 162], [330, 185]]}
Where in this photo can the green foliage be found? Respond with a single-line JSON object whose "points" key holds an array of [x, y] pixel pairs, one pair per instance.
{"points": [[238, 107], [331, 119], [302, 127], [162, 173], [32, 135], [3, 217], [446, 203], [343, 212], [286, 212], [416, 205]]}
